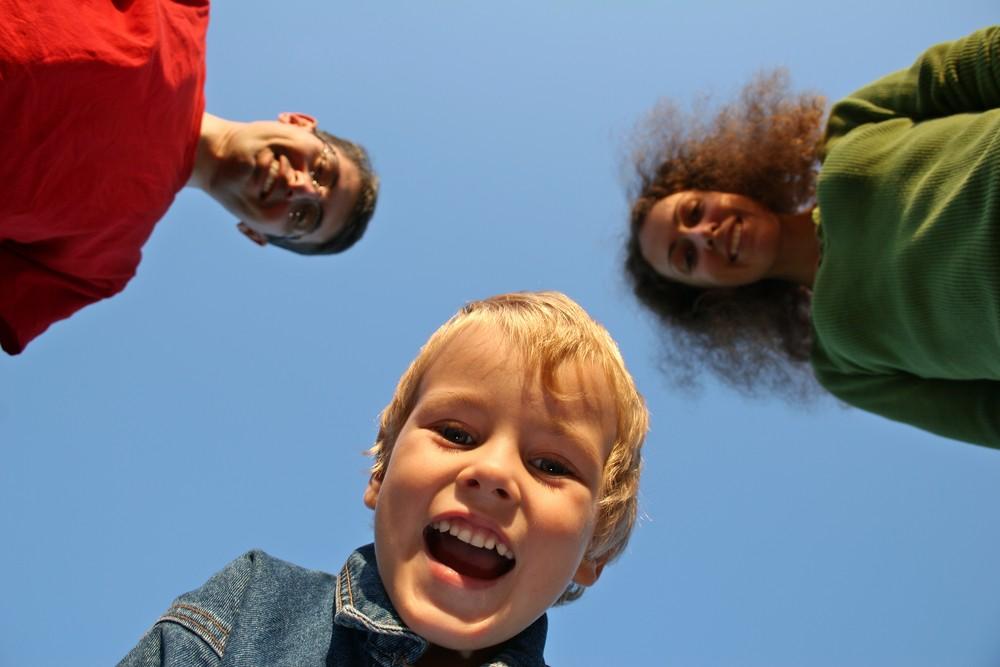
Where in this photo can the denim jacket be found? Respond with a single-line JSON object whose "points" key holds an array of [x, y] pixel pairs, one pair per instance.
{"points": [[263, 612]]}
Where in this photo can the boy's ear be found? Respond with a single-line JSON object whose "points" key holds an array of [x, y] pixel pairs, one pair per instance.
{"points": [[371, 492], [589, 572], [256, 237]]}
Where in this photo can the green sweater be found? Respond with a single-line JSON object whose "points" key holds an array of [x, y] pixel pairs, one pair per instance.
{"points": [[906, 302]]}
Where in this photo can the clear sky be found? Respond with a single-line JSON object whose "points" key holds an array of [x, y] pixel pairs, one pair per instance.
{"points": [[222, 402]]}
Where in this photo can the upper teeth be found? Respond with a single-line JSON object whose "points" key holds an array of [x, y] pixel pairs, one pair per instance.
{"points": [[734, 239], [477, 537], [272, 173]]}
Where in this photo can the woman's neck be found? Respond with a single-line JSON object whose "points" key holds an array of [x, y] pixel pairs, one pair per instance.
{"points": [[798, 253]]}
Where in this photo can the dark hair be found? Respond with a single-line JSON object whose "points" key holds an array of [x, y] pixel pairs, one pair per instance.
{"points": [[362, 212], [764, 146]]}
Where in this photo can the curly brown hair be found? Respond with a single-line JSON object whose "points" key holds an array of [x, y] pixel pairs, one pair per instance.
{"points": [[763, 145]]}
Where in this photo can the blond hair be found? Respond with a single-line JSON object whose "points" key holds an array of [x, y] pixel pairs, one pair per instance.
{"points": [[548, 329]]}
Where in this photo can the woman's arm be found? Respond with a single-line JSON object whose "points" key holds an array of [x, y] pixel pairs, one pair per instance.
{"points": [[954, 77], [967, 410]]}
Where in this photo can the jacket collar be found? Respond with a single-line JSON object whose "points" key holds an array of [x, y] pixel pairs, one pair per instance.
{"points": [[363, 604]]}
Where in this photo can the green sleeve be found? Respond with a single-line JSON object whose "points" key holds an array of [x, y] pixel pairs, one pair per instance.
{"points": [[966, 410], [950, 78]]}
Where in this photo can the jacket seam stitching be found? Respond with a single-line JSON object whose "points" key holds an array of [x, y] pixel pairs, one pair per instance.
{"points": [[217, 645]]}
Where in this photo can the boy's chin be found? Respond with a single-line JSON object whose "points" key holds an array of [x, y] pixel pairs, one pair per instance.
{"points": [[449, 631]]}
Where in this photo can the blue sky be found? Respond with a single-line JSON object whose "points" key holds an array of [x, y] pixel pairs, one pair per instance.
{"points": [[222, 402]]}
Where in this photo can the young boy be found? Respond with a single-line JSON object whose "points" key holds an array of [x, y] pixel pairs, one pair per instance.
{"points": [[505, 478]]}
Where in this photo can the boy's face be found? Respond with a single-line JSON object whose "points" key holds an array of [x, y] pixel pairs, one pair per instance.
{"points": [[490, 496]]}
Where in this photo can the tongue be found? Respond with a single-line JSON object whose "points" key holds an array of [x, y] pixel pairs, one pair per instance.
{"points": [[466, 559]]}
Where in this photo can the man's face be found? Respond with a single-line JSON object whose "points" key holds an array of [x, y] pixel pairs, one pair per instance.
{"points": [[489, 500], [283, 181]]}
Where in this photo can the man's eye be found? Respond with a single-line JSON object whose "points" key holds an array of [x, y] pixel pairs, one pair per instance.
{"points": [[316, 175], [302, 218], [456, 434], [550, 467], [325, 173]]}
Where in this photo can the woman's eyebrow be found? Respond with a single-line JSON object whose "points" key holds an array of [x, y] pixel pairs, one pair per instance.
{"points": [[676, 220]]}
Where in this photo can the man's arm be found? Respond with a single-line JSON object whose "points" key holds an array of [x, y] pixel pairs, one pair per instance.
{"points": [[33, 296]]}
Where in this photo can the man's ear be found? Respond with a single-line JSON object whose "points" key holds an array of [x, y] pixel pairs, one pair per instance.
{"points": [[296, 118], [589, 572], [371, 492], [254, 236]]}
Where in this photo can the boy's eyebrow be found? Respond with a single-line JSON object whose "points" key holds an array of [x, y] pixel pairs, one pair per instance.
{"points": [[566, 429], [435, 396]]}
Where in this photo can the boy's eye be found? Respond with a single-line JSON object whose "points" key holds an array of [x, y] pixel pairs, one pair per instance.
{"points": [[550, 467], [456, 434]]}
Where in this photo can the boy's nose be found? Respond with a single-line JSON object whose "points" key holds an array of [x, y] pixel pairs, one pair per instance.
{"points": [[492, 478]]}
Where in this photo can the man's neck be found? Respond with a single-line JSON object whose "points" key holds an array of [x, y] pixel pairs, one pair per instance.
{"points": [[211, 146]]}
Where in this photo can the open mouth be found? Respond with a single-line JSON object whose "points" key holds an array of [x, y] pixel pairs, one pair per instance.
{"points": [[469, 550]]}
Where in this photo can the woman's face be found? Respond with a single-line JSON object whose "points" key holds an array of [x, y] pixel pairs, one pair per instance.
{"points": [[710, 239]]}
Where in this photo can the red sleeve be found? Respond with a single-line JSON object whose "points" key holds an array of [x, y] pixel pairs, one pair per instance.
{"points": [[32, 297]]}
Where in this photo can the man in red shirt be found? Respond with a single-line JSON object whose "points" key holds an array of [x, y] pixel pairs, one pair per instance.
{"points": [[102, 122]]}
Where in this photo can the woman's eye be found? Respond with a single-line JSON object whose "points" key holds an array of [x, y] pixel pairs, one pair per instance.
{"points": [[695, 211], [456, 434], [550, 467], [690, 258]]}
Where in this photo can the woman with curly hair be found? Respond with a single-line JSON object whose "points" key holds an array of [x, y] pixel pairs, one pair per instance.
{"points": [[868, 252]]}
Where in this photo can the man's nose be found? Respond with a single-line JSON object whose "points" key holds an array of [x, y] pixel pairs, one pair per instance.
{"points": [[300, 183]]}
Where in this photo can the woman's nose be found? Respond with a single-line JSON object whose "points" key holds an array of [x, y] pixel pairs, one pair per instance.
{"points": [[704, 235]]}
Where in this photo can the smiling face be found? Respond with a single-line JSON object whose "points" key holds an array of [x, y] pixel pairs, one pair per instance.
{"points": [[710, 239], [283, 181], [489, 499]]}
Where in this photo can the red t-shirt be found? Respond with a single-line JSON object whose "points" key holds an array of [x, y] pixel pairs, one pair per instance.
{"points": [[100, 109]]}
